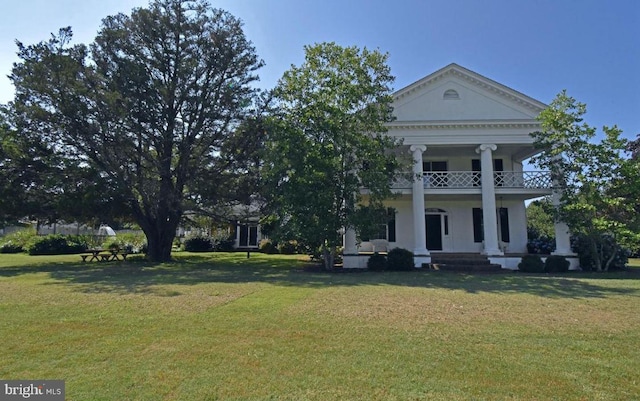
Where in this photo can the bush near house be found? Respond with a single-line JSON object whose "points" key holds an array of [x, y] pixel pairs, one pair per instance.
{"points": [[288, 247], [542, 245], [222, 241], [399, 259], [531, 264], [133, 242], [10, 247], [556, 264], [17, 241], [224, 245], [56, 244], [607, 246], [198, 243], [377, 262], [267, 246]]}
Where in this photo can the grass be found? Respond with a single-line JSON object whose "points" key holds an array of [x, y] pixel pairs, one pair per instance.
{"points": [[221, 327]]}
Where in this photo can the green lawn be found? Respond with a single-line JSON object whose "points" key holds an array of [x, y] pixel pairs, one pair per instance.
{"points": [[221, 327]]}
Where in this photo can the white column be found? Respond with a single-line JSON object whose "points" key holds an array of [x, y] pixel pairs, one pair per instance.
{"points": [[420, 252], [563, 236], [350, 247], [489, 218]]}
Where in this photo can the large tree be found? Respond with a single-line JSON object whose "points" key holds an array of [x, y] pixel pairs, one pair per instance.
{"points": [[327, 142], [38, 184], [151, 104], [589, 174]]}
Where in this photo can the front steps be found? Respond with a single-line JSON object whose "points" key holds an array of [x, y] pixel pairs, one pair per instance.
{"points": [[462, 262]]}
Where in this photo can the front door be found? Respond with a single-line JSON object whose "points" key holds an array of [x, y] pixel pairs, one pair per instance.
{"points": [[248, 236], [434, 231]]}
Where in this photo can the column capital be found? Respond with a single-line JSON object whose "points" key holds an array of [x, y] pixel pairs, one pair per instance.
{"points": [[486, 146], [414, 148]]}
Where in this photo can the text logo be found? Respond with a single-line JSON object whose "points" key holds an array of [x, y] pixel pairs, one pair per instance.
{"points": [[39, 390]]}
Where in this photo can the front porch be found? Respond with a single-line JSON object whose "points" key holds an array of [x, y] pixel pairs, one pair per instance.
{"points": [[460, 262]]}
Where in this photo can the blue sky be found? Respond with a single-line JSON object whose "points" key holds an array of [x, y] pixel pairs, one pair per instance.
{"points": [[538, 47]]}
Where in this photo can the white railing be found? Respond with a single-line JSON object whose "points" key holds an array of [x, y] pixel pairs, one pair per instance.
{"points": [[522, 179], [472, 179]]}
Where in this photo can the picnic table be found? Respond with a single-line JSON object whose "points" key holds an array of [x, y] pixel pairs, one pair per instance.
{"points": [[103, 255]]}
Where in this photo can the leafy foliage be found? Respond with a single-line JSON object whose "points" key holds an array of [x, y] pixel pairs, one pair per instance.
{"points": [[593, 250], [377, 262], [131, 242], [540, 219], [152, 106], [10, 247], [399, 259], [17, 241], [267, 246], [198, 243], [556, 264], [531, 264], [328, 139], [588, 177], [540, 245], [288, 247], [56, 244]]}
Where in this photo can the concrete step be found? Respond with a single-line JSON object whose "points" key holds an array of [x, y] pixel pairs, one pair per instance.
{"points": [[462, 262], [466, 268]]}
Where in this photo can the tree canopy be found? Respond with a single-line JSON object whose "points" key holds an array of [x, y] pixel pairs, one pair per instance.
{"points": [[152, 106], [328, 141], [591, 176]]}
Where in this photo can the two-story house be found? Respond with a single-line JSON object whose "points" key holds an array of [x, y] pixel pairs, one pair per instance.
{"points": [[469, 139]]}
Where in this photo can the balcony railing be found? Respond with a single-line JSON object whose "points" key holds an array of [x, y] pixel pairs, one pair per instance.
{"points": [[473, 179]]}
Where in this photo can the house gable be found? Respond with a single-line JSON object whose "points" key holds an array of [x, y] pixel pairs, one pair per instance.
{"points": [[455, 94]]}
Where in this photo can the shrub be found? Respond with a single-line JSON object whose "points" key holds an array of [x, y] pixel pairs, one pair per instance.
{"points": [[114, 244], [377, 262], [556, 264], [56, 244], [17, 241], [10, 247], [399, 259], [224, 245], [288, 247], [531, 264], [132, 242], [266, 246], [541, 245], [222, 241], [606, 245], [198, 243]]}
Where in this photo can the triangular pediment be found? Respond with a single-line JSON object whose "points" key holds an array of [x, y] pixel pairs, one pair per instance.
{"points": [[455, 93]]}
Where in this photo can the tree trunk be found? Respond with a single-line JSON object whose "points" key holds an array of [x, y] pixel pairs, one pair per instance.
{"points": [[596, 254], [608, 262], [328, 257], [160, 242]]}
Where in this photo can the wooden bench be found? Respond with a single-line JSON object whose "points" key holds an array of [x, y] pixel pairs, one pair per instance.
{"points": [[84, 257]]}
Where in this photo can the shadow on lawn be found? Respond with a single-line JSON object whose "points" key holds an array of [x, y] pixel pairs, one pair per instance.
{"points": [[139, 277]]}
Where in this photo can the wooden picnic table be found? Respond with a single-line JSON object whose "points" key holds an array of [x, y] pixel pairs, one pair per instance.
{"points": [[104, 255]]}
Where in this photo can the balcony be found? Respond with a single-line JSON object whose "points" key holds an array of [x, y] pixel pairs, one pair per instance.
{"points": [[529, 180]]}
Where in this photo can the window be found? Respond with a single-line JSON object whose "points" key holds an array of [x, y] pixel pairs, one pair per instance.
{"points": [[430, 166], [440, 178], [451, 94], [498, 166], [248, 235], [503, 224], [387, 231], [478, 225]]}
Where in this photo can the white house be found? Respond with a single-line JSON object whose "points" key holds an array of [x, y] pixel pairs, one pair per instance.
{"points": [[468, 136]]}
